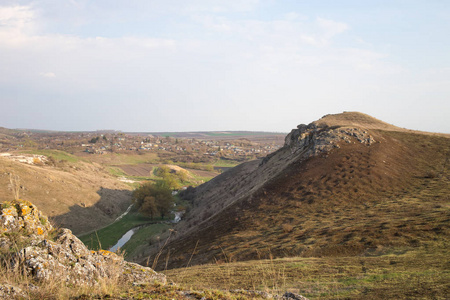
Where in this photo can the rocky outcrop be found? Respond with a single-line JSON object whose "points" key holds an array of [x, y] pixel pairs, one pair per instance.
{"points": [[315, 139], [28, 242], [302, 143]]}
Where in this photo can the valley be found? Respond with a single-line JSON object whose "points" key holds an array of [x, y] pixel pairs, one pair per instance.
{"points": [[345, 207]]}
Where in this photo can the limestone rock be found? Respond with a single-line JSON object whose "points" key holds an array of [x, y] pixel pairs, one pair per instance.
{"points": [[8, 291], [21, 222], [292, 296], [315, 139], [48, 254]]}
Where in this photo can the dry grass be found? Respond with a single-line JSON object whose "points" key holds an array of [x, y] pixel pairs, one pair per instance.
{"points": [[14, 183], [363, 222], [56, 287], [109, 288], [367, 122], [388, 273], [71, 192]]}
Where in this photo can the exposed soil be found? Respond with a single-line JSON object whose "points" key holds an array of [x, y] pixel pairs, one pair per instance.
{"points": [[138, 170]]}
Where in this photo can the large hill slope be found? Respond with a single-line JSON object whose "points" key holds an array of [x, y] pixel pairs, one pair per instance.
{"points": [[78, 195], [347, 184]]}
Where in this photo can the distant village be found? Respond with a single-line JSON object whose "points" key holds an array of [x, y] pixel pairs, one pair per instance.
{"points": [[99, 143]]}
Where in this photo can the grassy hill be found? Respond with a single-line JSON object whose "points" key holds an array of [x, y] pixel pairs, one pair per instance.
{"points": [[354, 200], [75, 194]]}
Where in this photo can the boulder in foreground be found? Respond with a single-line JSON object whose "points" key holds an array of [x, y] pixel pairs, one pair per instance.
{"points": [[28, 242]]}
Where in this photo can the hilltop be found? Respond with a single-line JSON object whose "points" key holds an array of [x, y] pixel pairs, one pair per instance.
{"points": [[347, 184], [365, 121], [356, 119]]}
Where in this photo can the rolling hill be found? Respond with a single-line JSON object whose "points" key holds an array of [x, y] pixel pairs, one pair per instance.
{"points": [[345, 185], [73, 193]]}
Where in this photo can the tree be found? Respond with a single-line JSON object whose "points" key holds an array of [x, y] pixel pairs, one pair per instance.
{"points": [[149, 207], [152, 199], [169, 177], [162, 171], [94, 140], [171, 182], [183, 175]]}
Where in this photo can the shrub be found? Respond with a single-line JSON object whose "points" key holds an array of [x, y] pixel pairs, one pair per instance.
{"points": [[287, 228], [431, 174]]}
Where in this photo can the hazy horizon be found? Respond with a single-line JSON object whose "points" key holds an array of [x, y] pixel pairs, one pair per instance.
{"points": [[135, 132], [250, 65]]}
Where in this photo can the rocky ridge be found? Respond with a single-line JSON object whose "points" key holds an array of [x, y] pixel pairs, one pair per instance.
{"points": [[28, 242], [302, 143], [316, 139]]}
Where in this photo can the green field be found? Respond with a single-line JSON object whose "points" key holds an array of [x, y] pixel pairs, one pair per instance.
{"points": [[56, 154], [107, 237], [142, 236], [225, 163]]}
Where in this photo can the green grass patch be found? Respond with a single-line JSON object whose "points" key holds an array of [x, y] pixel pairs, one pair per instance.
{"points": [[196, 166], [225, 163], [197, 181], [118, 172], [134, 159], [56, 154], [142, 237], [107, 237], [142, 178]]}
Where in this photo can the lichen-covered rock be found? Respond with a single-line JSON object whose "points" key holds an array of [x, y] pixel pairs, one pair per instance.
{"points": [[8, 291], [292, 296], [48, 254], [21, 223], [313, 139]]}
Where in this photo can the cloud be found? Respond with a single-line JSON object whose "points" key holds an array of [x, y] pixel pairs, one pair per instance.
{"points": [[331, 28], [221, 6], [223, 49], [203, 61], [16, 22], [289, 41], [47, 74], [289, 30], [16, 17]]}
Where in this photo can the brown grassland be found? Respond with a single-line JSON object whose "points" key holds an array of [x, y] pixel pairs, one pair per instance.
{"points": [[391, 194], [76, 194], [360, 222]]}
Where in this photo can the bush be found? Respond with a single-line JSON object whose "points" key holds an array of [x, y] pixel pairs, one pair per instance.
{"points": [[287, 228], [431, 174]]}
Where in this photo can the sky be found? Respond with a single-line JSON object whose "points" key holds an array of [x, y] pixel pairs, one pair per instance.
{"points": [[204, 65]]}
